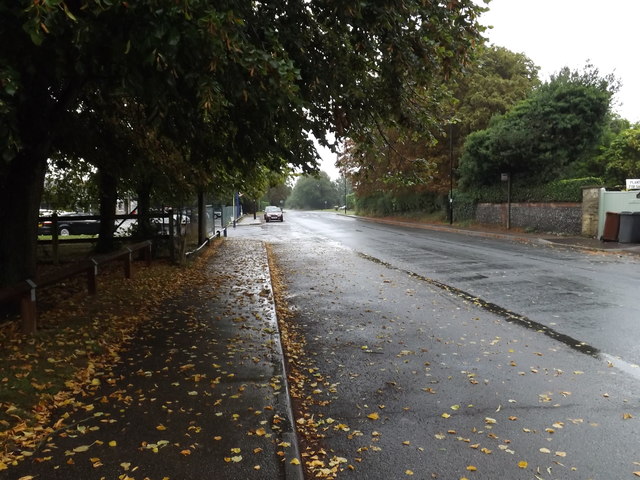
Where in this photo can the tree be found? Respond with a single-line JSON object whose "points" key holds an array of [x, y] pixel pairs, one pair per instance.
{"points": [[70, 189], [404, 165], [596, 165], [622, 157], [313, 192], [252, 79], [545, 136]]}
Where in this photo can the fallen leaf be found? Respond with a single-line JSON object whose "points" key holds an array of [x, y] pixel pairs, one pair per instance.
{"points": [[522, 464], [373, 416]]}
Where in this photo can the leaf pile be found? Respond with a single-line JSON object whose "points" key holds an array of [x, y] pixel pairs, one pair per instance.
{"points": [[81, 341]]}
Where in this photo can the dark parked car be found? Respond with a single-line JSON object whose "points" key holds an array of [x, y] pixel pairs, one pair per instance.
{"points": [[273, 213], [71, 224]]}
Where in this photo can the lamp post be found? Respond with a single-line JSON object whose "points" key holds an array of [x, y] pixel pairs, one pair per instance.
{"points": [[450, 173]]}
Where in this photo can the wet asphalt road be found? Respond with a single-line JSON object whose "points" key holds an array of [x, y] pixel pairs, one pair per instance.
{"points": [[420, 382], [592, 298]]}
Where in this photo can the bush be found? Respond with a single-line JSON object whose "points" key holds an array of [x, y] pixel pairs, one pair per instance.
{"points": [[569, 190], [386, 203]]}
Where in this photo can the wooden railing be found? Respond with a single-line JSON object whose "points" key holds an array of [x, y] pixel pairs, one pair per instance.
{"points": [[27, 290]]}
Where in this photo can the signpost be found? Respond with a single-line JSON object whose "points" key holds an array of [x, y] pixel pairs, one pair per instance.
{"points": [[506, 177]]}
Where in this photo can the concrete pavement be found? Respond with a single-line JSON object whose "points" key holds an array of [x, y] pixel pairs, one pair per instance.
{"points": [[199, 393]]}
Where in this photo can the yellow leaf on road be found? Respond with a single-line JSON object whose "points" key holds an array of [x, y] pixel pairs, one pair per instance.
{"points": [[373, 416], [522, 464]]}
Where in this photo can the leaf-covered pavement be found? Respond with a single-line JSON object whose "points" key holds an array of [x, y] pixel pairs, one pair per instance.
{"points": [[199, 392]]}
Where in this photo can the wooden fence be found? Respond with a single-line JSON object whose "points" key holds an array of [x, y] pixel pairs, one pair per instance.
{"points": [[27, 291]]}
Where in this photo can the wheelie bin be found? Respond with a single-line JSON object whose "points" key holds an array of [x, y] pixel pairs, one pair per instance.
{"points": [[611, 227]]}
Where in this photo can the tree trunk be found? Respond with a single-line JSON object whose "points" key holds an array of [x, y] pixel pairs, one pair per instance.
{"points": [[108, 199], [144, 231], [202, 218], [22, 178], [21, 186]]}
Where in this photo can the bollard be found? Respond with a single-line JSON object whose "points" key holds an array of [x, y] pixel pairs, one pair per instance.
{"points": [[225, 231]]}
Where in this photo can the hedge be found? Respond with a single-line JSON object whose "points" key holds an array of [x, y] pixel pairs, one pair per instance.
{"points": [[569, 190]]}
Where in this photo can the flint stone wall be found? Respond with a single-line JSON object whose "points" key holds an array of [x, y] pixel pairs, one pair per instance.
{"points": [[560, 218]]}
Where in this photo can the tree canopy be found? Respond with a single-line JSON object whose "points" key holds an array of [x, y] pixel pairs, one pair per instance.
{"points": [[313, 192], [405, 164], [622, 157], [545, 136], [226, 85]]}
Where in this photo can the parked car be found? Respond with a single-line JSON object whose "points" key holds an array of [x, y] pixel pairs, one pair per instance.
{"points": [[69, 224], [273, 213]]}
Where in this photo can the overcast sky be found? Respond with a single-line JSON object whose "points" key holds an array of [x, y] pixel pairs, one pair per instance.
{"points": [[559, 33]]}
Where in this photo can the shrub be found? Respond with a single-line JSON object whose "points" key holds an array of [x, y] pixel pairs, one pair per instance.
{"points": [[569, 190]]}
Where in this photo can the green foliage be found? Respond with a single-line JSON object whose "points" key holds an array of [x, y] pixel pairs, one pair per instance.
{"points": [[496, 81], [622, 157], [71, 189], [541, 138], [313, 192], [569, 190], [221, 88], [392, 203], [492, 83]]}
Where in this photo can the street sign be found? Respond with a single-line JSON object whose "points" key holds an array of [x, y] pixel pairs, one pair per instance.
{"points": [[633, 183]]}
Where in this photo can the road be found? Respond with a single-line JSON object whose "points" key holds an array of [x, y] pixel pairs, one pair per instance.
{"points": [[590, 298], [397, 372]]}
